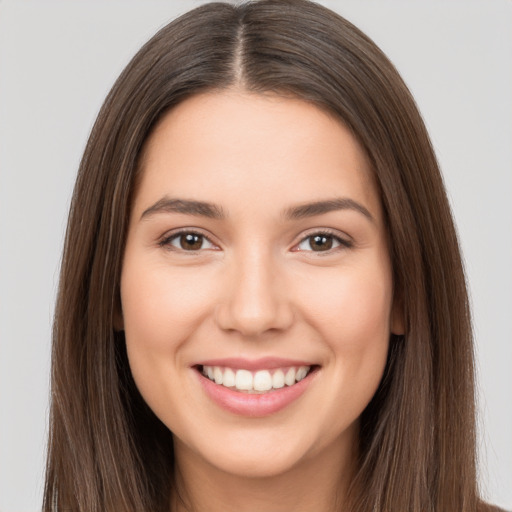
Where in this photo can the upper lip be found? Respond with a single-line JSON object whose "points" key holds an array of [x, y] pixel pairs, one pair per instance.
{"points": [[264, 363]]}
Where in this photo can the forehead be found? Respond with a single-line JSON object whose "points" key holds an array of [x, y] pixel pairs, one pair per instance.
{"points": [[233, 144]]}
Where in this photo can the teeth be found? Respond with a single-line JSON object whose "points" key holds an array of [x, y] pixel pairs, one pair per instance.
{"points": [[217, 375], [260, 381], [301, 373], [229, 378], [278, 379], [289, 378], [243, 380]]}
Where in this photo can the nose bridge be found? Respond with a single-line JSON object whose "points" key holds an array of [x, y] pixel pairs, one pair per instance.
{"points": [[256, 301]]}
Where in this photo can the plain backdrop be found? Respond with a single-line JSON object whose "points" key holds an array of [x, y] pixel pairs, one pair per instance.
{"points": [[57, 62]]}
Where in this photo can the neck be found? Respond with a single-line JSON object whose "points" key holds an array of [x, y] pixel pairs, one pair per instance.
{"points": [[319, 483]]}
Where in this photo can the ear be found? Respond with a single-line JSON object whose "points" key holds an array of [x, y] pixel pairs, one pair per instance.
{"points": [[397, 316]]}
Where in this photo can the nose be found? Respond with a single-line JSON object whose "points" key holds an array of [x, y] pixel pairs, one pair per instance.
{"points": [[256, 299]]}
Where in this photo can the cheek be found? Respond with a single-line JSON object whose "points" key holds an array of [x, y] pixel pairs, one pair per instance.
{"points": [[162, 306], [352, 315], [162, 309], [352, 308], [356, 328]]}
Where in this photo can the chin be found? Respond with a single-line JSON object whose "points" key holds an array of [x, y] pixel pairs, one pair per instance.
{"points": [[256, 465], [259, 453]]}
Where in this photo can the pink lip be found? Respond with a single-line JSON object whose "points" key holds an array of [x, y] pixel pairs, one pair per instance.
{"points": [[253, 405], [264, 363]]}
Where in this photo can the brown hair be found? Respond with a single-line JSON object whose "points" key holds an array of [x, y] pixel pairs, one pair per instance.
{"points": [[107, 450]]}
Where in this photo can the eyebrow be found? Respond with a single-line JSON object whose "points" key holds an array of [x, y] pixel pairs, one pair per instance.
{"points": [[213, 211], [188, 207], [321, 207]]}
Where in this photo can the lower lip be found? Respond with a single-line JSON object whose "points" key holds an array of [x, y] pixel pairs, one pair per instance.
{"points": [[254, 405]]}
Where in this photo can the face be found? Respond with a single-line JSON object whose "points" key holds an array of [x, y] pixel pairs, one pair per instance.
{"points": [[256, 290]]}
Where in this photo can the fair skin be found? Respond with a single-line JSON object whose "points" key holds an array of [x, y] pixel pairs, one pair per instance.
{"points": [[253, 282]]}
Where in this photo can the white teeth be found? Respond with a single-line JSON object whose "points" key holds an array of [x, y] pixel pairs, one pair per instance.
{"points": [[260, 381], [278, 379], [217, 375], [229, 378], [301, 373], [289, 378], [243, 380]]}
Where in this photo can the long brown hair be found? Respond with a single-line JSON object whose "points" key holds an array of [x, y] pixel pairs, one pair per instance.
{"points": [[107, 450]]}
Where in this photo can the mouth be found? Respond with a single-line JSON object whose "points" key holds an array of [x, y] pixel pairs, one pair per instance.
{"points": [[255, 387], [261, 381]]}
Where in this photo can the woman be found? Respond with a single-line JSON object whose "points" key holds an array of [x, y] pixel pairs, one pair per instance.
{"points": [[262, 304]]}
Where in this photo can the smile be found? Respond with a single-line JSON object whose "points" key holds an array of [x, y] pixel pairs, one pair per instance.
{"points": [[260, 381], [255, 388]]}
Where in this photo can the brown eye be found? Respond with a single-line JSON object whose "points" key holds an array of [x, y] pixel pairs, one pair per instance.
{"points": [[187, 241], [191, 241], [322, 242]]}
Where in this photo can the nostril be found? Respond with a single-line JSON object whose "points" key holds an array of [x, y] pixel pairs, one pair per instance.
{"points": [[253, 318]]}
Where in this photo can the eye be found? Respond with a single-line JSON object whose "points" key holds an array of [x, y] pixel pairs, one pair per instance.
{"points": [[187, 241], [322, 242]]}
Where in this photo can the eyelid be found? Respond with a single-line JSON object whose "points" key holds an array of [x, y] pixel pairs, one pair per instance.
{"points": [[344, 240], [164, 240]]}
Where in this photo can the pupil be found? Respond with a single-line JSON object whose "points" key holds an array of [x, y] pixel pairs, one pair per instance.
{"points": [[191, 241], [321, 243]]}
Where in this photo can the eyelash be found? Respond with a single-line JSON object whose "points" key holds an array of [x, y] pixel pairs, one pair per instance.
{"points": [[166, 241], [342, 243]]}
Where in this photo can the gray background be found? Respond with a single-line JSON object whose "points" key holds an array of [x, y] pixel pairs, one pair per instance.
{"points": [[57, 62]]}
